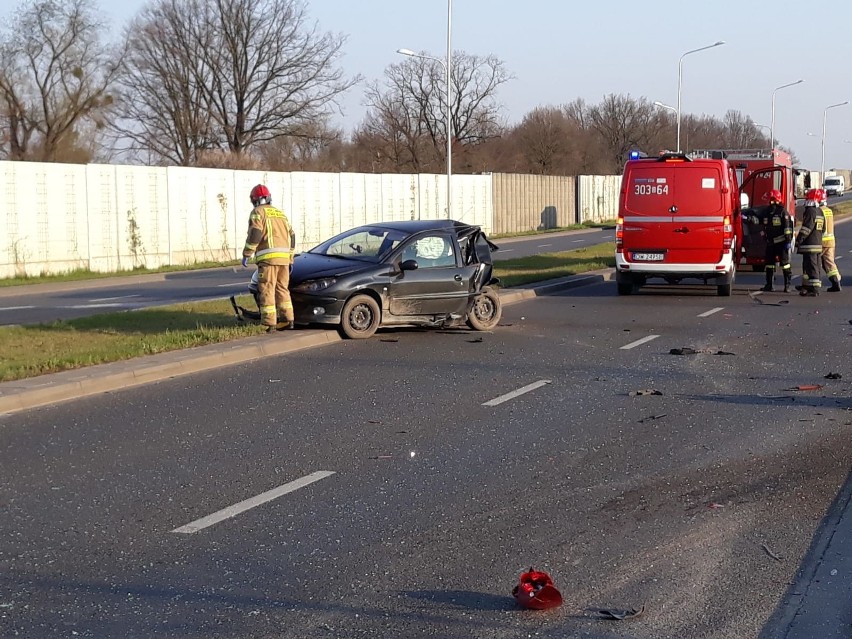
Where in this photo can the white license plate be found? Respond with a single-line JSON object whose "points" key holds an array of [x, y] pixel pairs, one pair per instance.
{"points": [[648, 257]]}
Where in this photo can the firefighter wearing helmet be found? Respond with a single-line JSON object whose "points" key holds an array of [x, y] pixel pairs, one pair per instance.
{"points": [[828, 245], [269, 243], [777, 227], [809, 243]]}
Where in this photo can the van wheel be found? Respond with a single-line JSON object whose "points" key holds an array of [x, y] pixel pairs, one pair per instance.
{"points": [[624, 283], [724, 290]]}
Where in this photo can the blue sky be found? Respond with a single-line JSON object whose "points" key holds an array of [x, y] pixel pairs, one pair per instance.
{"points": [[560, 50]]}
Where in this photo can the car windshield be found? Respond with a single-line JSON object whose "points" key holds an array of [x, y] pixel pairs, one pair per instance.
{"points": [[365, 243]]}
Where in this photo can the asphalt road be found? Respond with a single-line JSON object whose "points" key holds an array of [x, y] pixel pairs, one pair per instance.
{"points": [[50, 302], [570, 439]]}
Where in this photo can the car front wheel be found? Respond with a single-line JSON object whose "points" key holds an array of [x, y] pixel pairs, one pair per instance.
{"points": [[486, 310], [360, 318]]}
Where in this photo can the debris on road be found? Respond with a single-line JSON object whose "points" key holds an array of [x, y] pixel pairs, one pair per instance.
{"points": [[834, 376], [647, 391], [651, 418], [621, 615], [686, 350], [770, 553], [535, 590], [805, 387]]}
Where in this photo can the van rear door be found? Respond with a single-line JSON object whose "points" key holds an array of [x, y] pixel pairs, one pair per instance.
{"points": [[674, 212]]}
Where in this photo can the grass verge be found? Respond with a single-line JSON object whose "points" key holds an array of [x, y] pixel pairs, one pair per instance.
{"points": [[34, 350]]}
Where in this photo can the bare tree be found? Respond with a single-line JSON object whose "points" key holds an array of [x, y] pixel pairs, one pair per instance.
{"points": [[227, 75], [623, 124], [56, 78], [407, 112]]}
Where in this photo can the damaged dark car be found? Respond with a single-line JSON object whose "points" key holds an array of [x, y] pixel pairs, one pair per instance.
{"points": [[436, 273]]}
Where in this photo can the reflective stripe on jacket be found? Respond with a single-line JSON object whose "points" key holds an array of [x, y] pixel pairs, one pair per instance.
{"points": [[828, 234], [809, 239], [270, 237]]}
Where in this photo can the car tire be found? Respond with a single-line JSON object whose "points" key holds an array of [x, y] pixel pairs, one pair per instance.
{"points": [[360, 318], [486, 310]]}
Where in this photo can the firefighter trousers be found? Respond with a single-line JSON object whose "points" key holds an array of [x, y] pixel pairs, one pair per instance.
{"points": [[828, 264], [810, 271], [274, 293]]}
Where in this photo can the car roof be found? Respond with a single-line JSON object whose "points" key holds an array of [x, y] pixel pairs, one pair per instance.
{"points": [[415, 226]]}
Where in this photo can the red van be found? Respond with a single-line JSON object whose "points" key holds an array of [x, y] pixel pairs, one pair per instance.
{"points": [[678, 219]]}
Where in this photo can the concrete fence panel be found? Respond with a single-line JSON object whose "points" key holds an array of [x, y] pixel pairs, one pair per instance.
{"points": [[597, 197], [524, 203]]}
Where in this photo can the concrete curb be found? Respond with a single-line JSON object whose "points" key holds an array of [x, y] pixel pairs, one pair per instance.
{"points": [[103, 378]]}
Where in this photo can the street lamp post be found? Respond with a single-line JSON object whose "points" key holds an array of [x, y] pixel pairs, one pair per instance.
{"points": [[448, 65], [666, 106], [772, 130], [824, 115], [680, 78]]}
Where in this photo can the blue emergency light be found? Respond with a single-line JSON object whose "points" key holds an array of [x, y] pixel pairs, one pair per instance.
{"points": [[636, 155]]}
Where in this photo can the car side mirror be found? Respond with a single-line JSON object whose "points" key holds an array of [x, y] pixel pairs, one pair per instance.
{"points": [[409, 265]]}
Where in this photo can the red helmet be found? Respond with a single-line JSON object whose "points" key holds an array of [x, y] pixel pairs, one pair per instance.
{"points": [[816, 195], [775, 195], [260, 195]]}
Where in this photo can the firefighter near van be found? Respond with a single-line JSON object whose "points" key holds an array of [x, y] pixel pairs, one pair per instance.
{"points": [[828, 245], [269, 244], [777, 229], [809, 243]]}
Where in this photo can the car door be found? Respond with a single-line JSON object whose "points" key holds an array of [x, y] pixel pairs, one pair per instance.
{"points": [[439, 285]]}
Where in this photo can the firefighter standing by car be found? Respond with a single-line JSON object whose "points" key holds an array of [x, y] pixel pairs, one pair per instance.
{"points": [[269, 244], [828, 244], [777, 226], [809, 243]]}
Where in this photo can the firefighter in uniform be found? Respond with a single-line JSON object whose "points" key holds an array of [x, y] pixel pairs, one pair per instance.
{"points": [[827, 256], [777, 226], [809, 243], [269, 243]]}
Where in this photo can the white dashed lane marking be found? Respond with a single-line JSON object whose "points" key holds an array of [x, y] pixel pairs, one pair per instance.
{"points": [[711, 311], [639, 342], [248, 504], [517, 393]]}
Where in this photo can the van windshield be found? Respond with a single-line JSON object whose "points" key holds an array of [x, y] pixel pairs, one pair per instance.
{"points": [[832, 181]]}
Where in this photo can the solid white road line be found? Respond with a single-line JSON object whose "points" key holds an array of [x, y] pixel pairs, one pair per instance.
{"points": [[638, 342], [15, 308], [711, 311], [244, 284], [110, 299], [517, 393], [248, 504]]}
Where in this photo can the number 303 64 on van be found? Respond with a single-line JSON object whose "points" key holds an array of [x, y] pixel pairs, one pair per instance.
{"points": [[677, 221]]}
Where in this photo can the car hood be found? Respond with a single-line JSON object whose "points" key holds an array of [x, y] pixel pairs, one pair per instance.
{"points": [[309, 266]]}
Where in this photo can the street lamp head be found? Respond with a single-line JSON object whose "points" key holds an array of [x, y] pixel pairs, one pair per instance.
{"points": [[720, 42], [406, 52]]}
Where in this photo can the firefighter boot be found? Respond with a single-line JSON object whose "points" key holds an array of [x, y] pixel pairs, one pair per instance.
{"points": [[835, 284], [770, 275], [788, 276]]}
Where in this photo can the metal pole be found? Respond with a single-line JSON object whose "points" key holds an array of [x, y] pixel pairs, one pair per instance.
{"points": [[772, 127], [824, 116], [449, 110], [679, 82]]}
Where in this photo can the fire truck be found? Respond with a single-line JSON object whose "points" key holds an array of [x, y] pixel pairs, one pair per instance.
{"points": [[758, 172]]}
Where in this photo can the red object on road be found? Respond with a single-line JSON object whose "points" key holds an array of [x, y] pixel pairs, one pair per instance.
{"points": [[535, 590]]}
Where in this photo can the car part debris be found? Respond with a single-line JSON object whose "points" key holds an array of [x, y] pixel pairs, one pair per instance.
{"points": [[805, 387], [647, 391], [535, 590], [770, 553], [834, 376], [622, 615]]}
